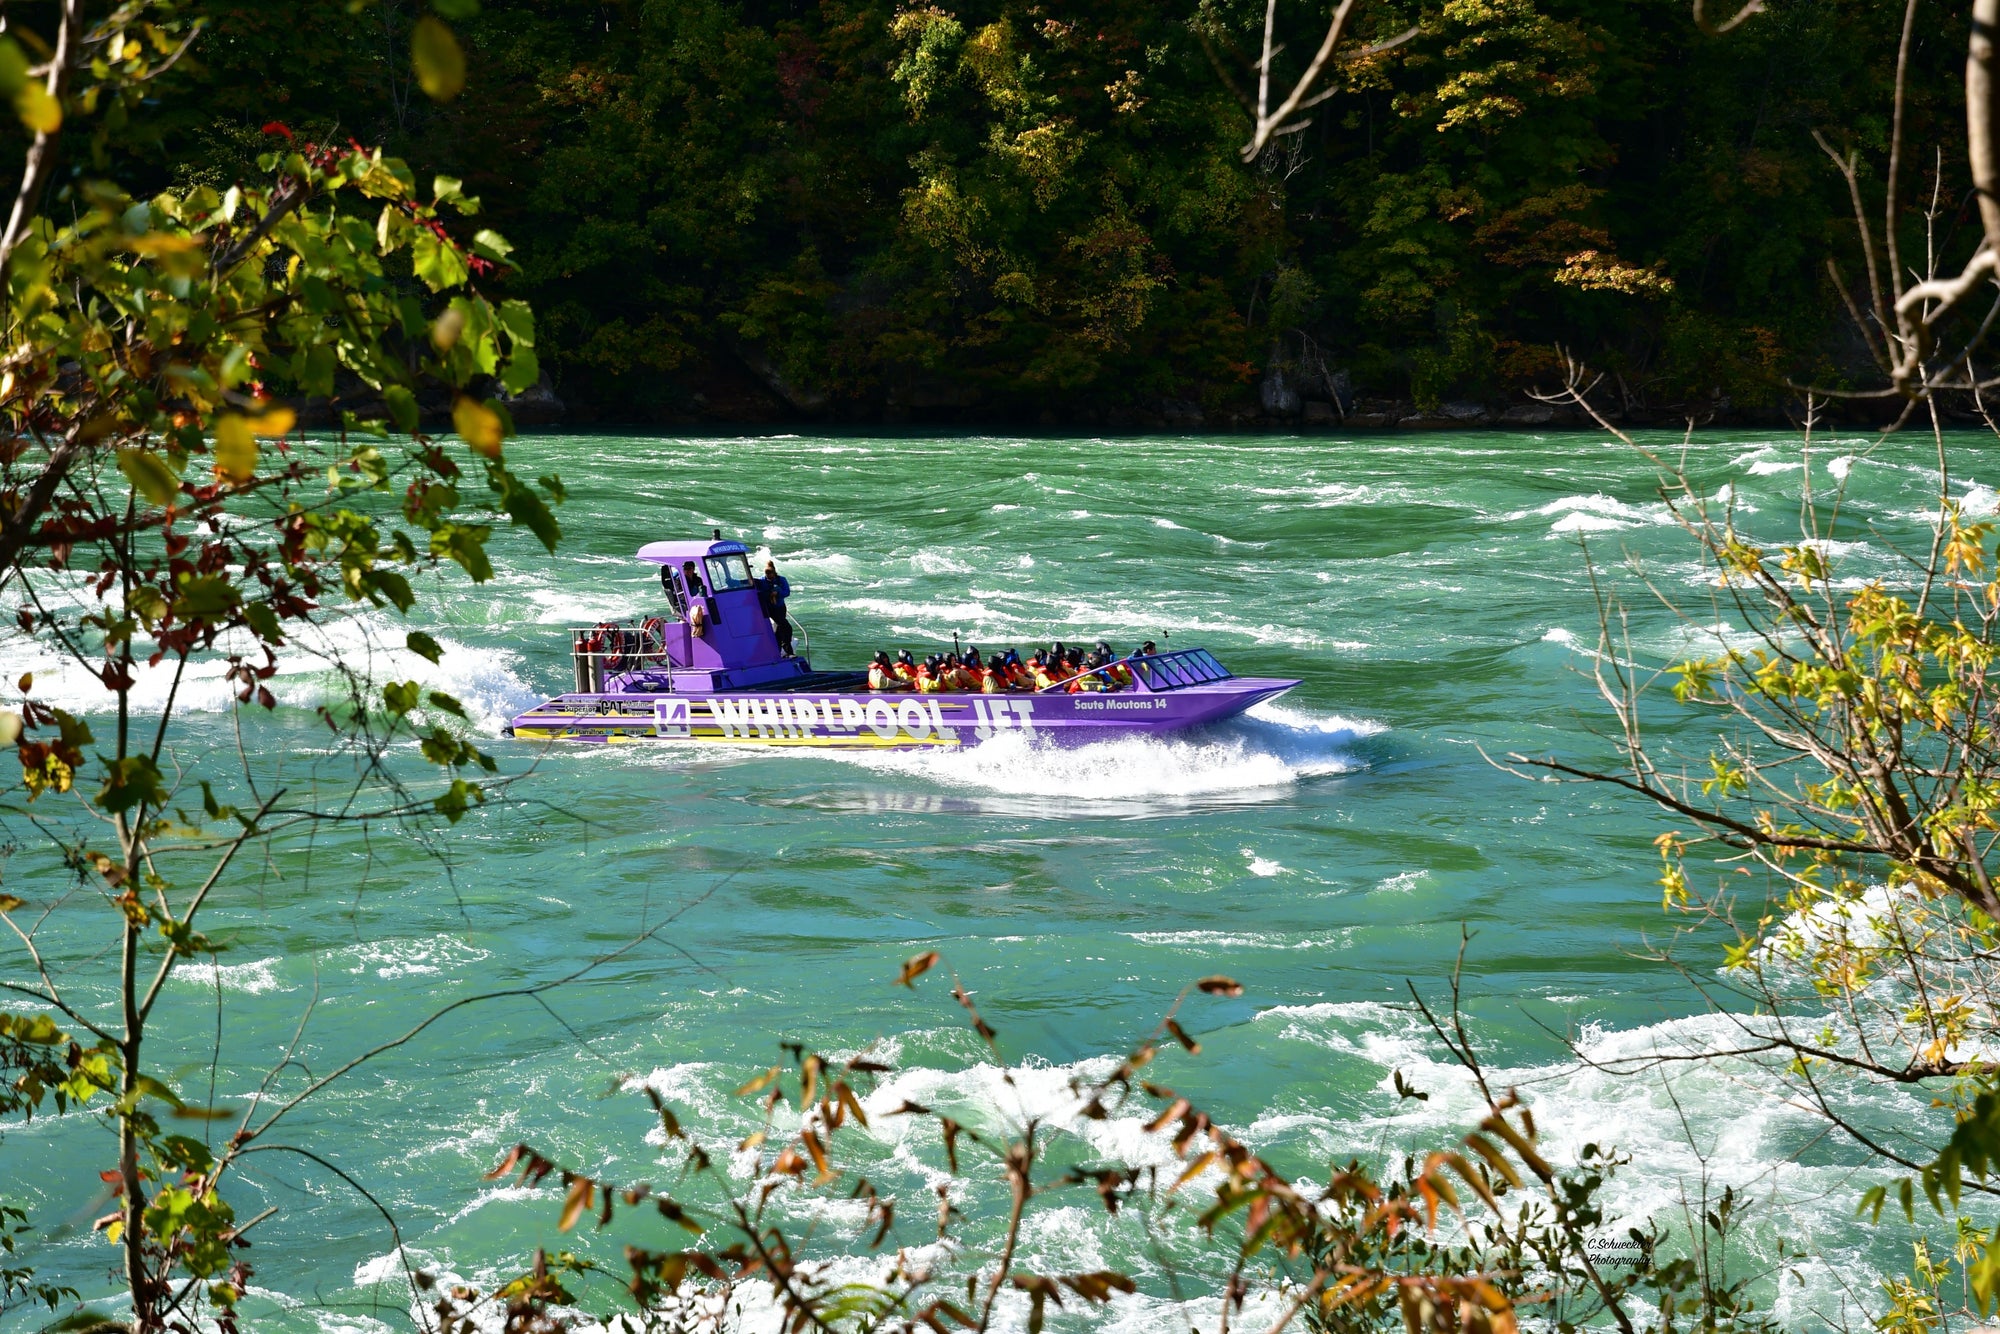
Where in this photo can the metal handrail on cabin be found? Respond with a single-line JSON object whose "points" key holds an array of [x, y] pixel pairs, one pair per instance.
{"points": [[580, 655], [637, 655]]}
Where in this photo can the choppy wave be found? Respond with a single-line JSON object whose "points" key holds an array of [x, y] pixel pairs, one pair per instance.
{"points": [[1593, 513]]}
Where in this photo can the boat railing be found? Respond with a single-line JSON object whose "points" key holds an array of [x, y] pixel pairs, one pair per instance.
{"points": [[599, 650]]}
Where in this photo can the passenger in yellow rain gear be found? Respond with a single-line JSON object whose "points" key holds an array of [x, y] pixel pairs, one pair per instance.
{"points": [[1097, 673], [1115, 669], [882, 674], [906, 669], [953, 676], [1043, 678], [930, 676], [995, 681]]}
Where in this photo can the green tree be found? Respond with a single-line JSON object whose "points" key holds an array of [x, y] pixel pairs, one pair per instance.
{"points": [[160, 510], [1047, 209]]}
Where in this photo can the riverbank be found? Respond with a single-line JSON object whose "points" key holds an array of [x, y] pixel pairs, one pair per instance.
{"points": [[1274, 404]]}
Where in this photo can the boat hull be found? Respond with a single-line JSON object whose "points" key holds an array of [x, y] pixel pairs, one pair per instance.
{"points": [[846, 720]]}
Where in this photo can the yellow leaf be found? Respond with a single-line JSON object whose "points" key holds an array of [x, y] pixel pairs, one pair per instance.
{"points": [[41, 113], [160, 243], [446, 328], [439, 61], [235, 448], [759, 1084], [149, 475], [274, 424], [478, 424]]}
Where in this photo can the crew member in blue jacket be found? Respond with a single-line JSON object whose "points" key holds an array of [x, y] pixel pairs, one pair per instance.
{"points": [[772, 590]]}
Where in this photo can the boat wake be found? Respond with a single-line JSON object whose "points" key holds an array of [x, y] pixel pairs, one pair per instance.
{"points": [[1267, 750]]}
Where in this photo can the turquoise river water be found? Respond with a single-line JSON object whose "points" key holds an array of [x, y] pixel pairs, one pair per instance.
{"points": [[1429, 593]]}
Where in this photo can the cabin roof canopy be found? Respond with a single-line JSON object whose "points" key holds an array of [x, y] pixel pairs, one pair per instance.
{"points": [[673, 553]]}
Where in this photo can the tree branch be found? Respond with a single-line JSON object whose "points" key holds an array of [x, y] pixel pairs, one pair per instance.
{"points": [[41, 153]]}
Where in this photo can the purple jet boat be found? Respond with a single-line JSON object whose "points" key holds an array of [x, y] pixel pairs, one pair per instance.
{"points": [[730, 683]]}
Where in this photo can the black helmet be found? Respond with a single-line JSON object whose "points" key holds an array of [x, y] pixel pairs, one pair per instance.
{"points": [[903, 656], [881, 658], [996, 663], [1149, 647], [1104, 648]]}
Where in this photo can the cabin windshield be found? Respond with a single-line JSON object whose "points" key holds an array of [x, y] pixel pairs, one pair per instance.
{"points": [[727, 572], [1171, 671]]}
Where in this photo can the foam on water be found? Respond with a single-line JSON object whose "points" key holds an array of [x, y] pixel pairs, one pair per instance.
{"points": [[254, 977], [1261, 865], [1271, 747], [1212, 942], [369, 643], [1596, 512], [428, 956]]}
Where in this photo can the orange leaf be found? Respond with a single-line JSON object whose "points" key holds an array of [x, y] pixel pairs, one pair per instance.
{"points": [[573, 1207], [759, 1084], [916, 966]]}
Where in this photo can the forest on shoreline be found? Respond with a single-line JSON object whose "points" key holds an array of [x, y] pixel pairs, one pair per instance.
{"points": [[1034, 212]]}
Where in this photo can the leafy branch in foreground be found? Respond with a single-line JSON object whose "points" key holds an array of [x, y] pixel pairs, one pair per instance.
{"points": [[1845, 749], [162, 518], [1478, 1237], [1850, 753]]}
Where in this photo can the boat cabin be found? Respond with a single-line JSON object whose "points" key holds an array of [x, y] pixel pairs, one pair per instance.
{"points": [[706, 584]]}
